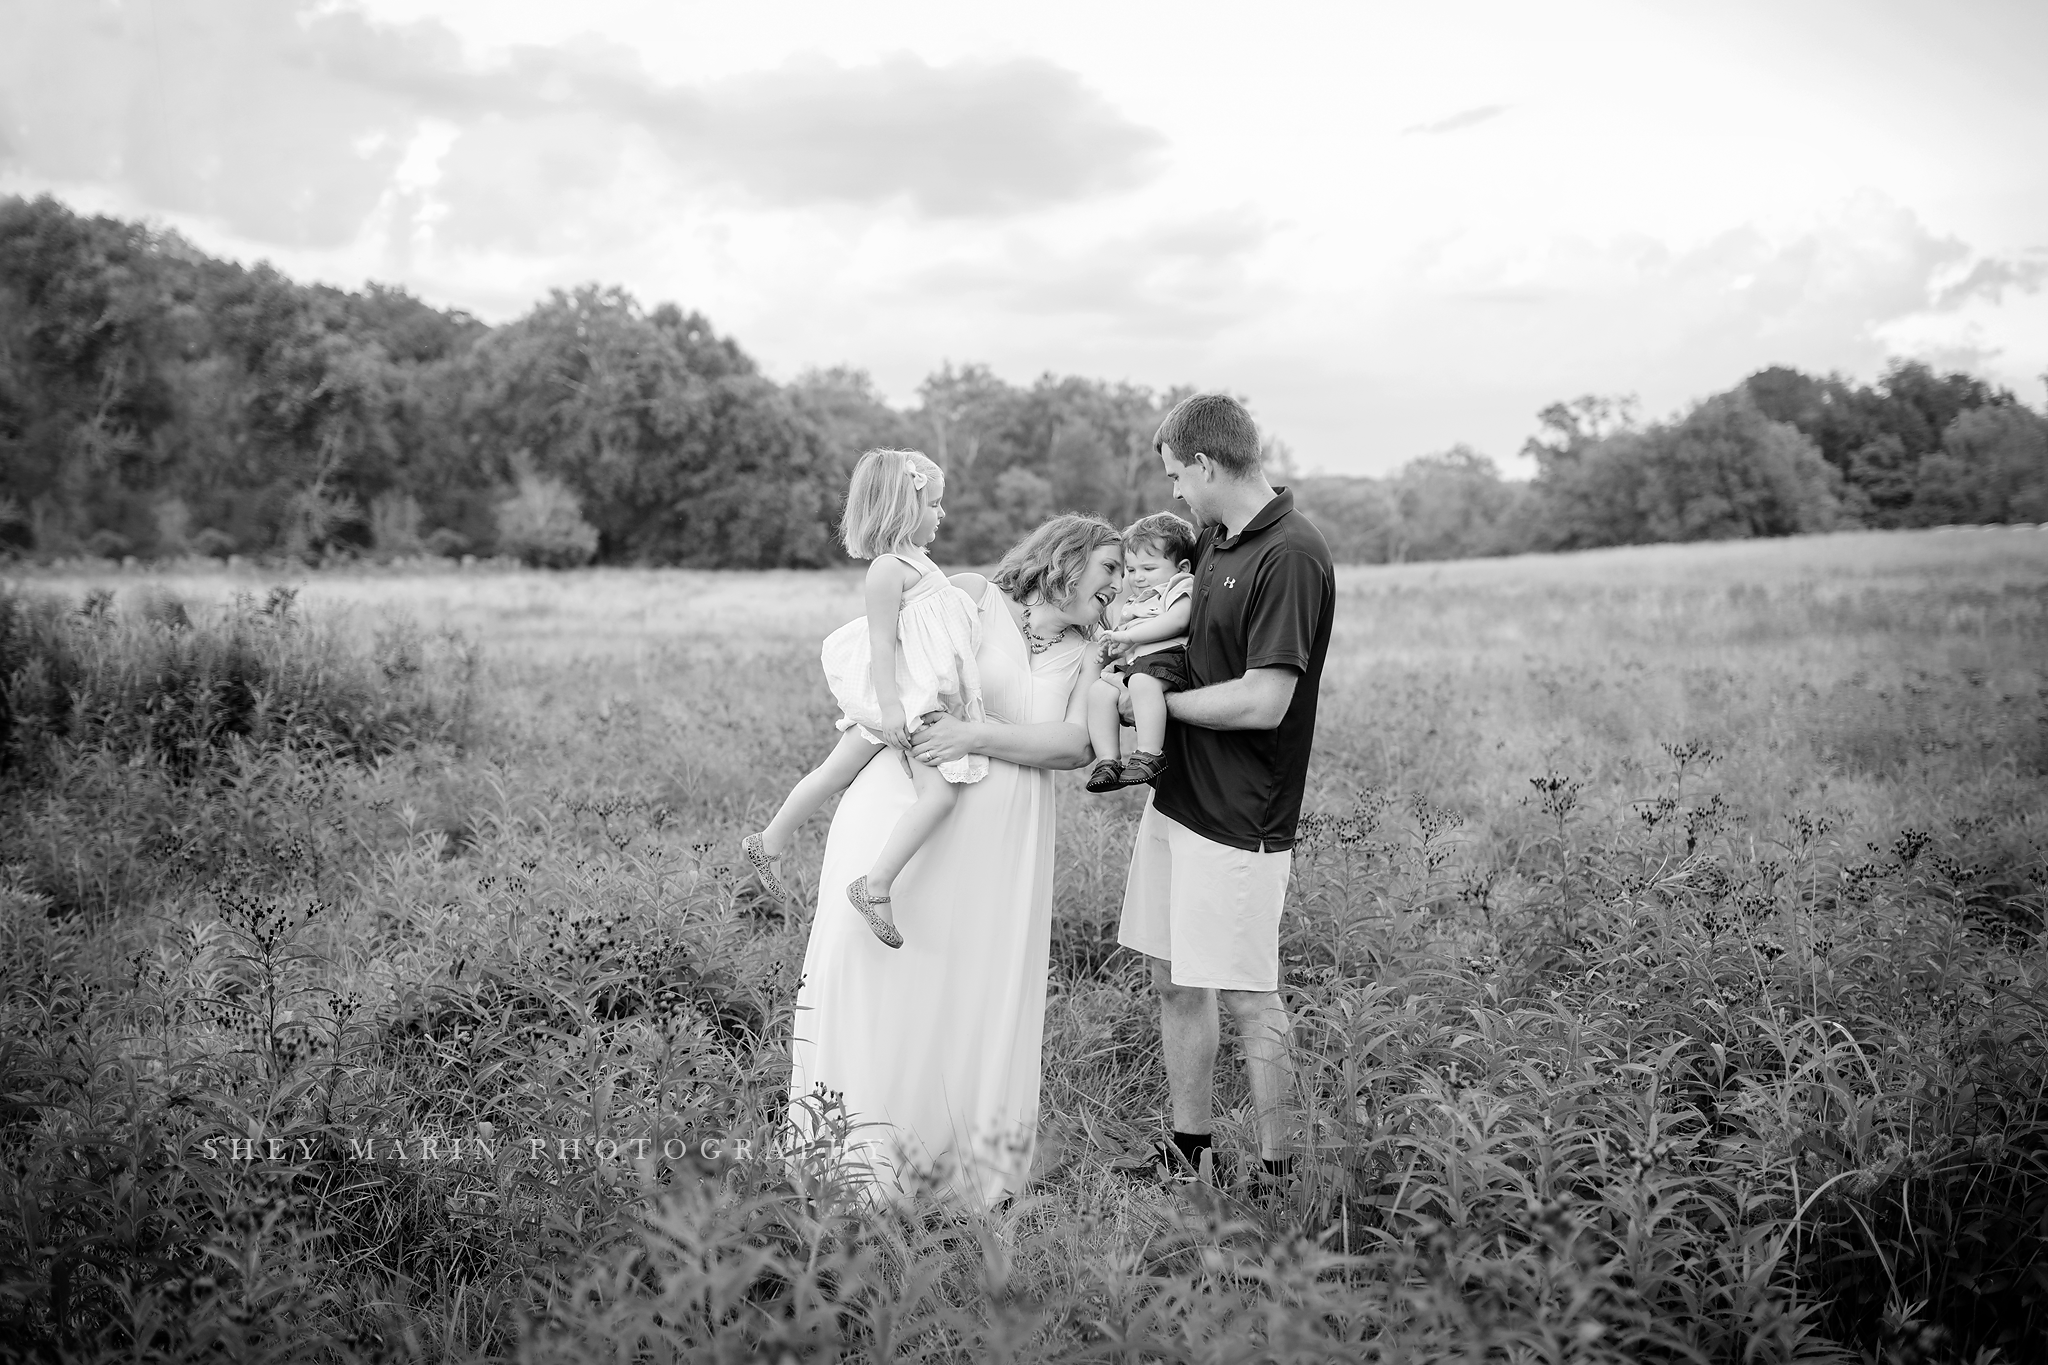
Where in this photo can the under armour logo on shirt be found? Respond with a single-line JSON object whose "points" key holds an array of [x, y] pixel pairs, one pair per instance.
{"points": [[1230, 582]]}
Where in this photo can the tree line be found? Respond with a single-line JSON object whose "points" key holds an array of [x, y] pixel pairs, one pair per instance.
{"points": [[155, 401]]}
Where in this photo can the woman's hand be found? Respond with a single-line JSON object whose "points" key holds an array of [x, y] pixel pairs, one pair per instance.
{"points": [[942, 738]]}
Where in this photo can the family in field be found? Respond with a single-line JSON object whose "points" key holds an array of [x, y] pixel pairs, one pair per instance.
{"points": [[921, 1006]]}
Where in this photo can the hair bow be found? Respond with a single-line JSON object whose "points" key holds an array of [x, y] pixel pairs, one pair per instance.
{"points": [[917, 479]]}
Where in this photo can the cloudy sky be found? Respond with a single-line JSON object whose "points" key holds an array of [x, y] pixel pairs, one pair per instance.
{"points": [[1391, 226]]}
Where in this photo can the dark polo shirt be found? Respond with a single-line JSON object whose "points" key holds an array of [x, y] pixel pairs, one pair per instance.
{"points": [[1261, 600]]}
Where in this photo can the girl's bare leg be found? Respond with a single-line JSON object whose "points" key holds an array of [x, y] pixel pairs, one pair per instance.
{"points": [[1148, 712], [935, 798], [1105, 728], [816, 787]]}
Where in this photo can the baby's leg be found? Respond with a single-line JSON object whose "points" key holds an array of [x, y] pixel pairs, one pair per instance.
{"points": [[935, 799], [1105, 728], [1148, 712], [816, 787]]}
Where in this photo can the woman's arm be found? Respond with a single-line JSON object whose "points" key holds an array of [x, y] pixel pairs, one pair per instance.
{"points": [[1047, 744], [884, 600]]}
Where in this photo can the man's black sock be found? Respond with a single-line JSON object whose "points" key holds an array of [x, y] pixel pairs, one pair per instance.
{"points": [[1278, 1167], [1191, 1146]]}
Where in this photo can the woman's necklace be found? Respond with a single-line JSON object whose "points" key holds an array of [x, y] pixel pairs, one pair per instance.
{"points": [[1040, 643]]}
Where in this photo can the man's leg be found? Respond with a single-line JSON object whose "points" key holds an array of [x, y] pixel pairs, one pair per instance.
{"points": [[1262, 1033], [1187, 1031]]}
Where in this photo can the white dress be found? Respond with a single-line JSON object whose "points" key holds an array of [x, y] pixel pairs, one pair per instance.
{"points": [[934, 1047], [938, 633]]}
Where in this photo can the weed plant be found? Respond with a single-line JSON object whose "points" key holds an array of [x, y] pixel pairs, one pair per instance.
{"points": [[1664, 951]]}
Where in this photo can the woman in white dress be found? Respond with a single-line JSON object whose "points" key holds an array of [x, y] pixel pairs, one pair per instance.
{"points": [[933, 1049]]}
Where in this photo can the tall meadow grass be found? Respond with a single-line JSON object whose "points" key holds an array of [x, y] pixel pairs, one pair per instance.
{"points": [[1664, 950]]}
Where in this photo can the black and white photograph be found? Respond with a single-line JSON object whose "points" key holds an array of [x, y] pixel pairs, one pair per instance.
{"points": [[1099, 684]]}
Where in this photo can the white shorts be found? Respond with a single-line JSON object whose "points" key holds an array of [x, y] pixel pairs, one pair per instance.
{"points": [[1210, 911]]}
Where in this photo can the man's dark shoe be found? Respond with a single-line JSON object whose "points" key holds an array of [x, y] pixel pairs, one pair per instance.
{"points": [[1141, 768], [1106, 776]]}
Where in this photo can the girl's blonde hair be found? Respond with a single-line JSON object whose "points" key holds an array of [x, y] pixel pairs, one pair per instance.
{"points": [[885, 500]]}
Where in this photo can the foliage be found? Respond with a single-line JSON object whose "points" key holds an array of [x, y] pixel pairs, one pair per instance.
{"points": [[1918, 448], [542, 525], [155, 402], [150, 685], [1723, 471], [1664, 949], [115, 721]]}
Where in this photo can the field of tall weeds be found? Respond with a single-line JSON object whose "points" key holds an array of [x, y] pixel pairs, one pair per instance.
{"points": [[1665, 955]]}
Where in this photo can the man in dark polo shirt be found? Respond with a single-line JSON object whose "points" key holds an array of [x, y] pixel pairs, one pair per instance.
{"points": [[1215, 844]]}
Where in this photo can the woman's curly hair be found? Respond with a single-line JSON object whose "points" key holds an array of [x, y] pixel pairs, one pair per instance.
{"points": [[1048, 563]]}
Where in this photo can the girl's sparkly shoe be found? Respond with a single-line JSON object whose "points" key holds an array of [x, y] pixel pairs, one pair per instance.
{"points": [[764, 868], [857, 892]]}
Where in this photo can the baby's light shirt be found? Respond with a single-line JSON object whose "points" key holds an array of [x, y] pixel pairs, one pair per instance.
{"points": [[1149, 605]]}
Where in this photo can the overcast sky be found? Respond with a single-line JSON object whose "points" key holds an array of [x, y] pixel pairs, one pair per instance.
{"points": [[1391, 227]]}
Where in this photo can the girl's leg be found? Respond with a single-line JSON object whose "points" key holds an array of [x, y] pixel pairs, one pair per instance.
{"points": [[1148, 712], [935, 798], [816, 787], [1104, 727]]}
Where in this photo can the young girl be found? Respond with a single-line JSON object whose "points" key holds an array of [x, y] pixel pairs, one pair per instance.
{"points": [[1146, 649], [913, 654]]}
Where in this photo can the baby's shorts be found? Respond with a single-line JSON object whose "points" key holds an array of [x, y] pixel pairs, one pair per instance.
{"points": [[1170, 666]]}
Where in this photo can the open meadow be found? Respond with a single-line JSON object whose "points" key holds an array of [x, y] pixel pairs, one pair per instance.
{"points": [[1665, 952]]}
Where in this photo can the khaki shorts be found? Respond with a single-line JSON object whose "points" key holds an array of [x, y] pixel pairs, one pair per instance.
{"points": [[1210, 911]]}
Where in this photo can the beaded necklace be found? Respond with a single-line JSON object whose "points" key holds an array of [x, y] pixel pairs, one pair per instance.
{"points": [[1039, 644]]}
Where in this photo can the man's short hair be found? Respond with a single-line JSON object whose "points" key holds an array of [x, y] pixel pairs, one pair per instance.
{"points": [[1171, 536], [1216, 425]]}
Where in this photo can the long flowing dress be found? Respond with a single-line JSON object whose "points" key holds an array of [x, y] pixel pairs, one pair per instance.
{"points": [[933, 1048]]}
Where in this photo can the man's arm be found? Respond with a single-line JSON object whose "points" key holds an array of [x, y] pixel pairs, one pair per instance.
{"points": [[1283, 616], [1256, 701]]}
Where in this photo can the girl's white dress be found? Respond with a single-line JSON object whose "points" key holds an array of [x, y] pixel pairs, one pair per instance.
{"points": [[934, 1048], [938, 633]]}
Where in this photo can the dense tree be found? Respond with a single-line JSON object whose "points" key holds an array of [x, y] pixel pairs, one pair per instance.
{"points": [[156, 401], [1992, 467], [680, 450], [1452, 504], [1083, 444], [1876, 436], [1722, 471]]}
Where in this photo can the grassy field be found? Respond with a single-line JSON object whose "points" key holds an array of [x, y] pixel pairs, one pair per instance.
{"points": [[1666, 957]]}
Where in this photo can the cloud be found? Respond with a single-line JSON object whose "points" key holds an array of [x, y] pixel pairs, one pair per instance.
{"points": [[1180, 278], [972, 138], [1469, 118], [286, 123], [1492, 324], [1989, 279], [189, 110], [1819, 295]]}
